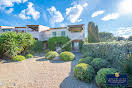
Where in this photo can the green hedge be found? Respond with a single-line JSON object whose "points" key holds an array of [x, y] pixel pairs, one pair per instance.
{"points": [[12, 43], [115, 52], [18, 58], [62, 42], [67, 56], [84, 72]]}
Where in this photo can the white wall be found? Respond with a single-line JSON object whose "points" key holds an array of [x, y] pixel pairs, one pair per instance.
{"points": [[77, 36], [71, 35]]}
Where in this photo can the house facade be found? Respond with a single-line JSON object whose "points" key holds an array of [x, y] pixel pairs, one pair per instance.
{"points": [[43, 33]]}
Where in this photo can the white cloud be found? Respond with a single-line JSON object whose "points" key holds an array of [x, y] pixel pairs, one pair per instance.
{"points": [[56, 16], [10, 3], [124, 32], [111, 16], [125, 7], [23, 15], [30, 11], [73, 13], [9, 11], [79, 20], [85, 4], [97, 13]]}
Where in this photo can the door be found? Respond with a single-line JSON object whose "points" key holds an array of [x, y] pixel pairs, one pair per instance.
{"points": [[76, 45]]}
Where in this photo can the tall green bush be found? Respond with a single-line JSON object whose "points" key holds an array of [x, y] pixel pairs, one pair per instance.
{"points": [[62, 42], [12, 43], [37, 46], [93, 33]]}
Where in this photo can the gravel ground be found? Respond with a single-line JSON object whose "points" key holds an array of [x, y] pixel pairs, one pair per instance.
{"points": [[40, 73]]}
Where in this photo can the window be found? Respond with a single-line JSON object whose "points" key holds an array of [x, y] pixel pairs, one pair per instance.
{"points": [[63, 33], [54, 34]]}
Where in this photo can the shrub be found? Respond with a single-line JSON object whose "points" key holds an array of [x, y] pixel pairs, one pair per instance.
{"points": [[100, 77], [86, 60], [59, 41], [114, 52], [67, 56], [18, 58], [99, 63], [29, 56], [12, 43], [46, 51], [84, 72], [128, 66], [51, 54], [37, 46], [84, 55]]}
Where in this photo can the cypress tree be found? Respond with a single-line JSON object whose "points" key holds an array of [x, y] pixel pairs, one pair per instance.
{"points": [[93, 33]]}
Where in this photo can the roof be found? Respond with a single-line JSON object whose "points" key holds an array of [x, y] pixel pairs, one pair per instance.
{"points": [[20, 27], [58, 28], [80, 25], [32, 25]]}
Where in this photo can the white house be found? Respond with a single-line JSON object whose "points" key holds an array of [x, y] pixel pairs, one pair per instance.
{"points": [[43, 33], [6, 28], [74, 32]]}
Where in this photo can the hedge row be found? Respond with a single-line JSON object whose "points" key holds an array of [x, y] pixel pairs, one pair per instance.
{"points": [[115, 52]]}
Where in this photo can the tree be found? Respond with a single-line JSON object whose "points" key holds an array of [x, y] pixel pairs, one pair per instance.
{"points": [[130, 38], [92, 33], [106, 36], [12, 43], [61, 42]]}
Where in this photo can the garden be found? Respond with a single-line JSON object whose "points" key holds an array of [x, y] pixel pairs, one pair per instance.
{"points": [[102, 54], [102, 57]]}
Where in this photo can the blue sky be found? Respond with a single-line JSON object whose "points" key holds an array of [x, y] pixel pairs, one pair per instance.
{"points": [[110, 15]]}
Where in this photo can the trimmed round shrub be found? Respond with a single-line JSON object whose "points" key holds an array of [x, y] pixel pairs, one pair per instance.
{"points": [[86, 60], [84, 72], [67, 56], [99, 63], [18, 58], [101, 77], [51, 54], [29, 56]]}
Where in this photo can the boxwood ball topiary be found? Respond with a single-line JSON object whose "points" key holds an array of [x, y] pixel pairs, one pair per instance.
{"points": [[51, 55], [86, 60], [18, 58], [99, 63], [29, 56], [67, 56], [101, 77], [84, 72]]}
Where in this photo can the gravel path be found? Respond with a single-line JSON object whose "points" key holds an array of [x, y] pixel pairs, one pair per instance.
{"points": [[40, 73]]}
